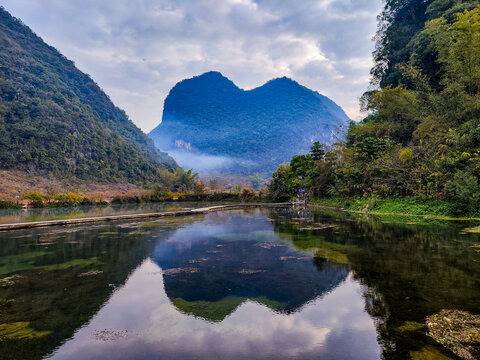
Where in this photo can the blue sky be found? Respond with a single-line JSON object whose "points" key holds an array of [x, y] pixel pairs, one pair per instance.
{"points": [[137, 50]]}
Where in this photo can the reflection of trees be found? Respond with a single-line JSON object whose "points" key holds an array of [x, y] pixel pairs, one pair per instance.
{"points": [[59, 300], [409, 271]]}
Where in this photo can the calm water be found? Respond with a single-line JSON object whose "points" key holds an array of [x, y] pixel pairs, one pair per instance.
{"points": [[9, 216], [256, 284]]}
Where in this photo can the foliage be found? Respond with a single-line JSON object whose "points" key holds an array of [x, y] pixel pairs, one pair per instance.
{"points": [[401, 37], [55, 119], [37, 199], [7, 204], [399, 206], [317, 151], [284, 183], [247, 194], [62, 199], [199, 189], [289, 178], [421, 137], [464, 192]]}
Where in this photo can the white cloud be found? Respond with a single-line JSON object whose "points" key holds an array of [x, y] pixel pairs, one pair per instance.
{"points": [[138, 49]]}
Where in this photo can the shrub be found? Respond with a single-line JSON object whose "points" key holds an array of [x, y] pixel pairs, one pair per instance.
{"points": [[7, 204], [406, 155], [464, 192], [247, 194], [37, 199]]}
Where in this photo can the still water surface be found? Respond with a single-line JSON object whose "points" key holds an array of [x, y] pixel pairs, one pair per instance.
{"points": [[251, 284], [10, 216]]}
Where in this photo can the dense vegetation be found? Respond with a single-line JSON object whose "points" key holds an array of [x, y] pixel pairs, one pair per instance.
{"points": [[421, 138], [55, 119], [252, 131]]}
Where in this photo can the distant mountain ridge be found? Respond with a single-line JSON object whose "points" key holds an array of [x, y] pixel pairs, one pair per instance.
{"points": [[56, 119], [210, 122]]}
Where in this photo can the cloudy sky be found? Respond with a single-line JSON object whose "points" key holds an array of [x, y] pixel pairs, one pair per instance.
{"points": [[137, 50]]}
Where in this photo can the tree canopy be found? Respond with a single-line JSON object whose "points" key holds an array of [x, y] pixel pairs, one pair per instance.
{"points": [[55, 119], [422, 134]]}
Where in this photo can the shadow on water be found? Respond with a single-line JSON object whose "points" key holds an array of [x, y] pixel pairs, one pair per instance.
{"points": [[276, 283]]}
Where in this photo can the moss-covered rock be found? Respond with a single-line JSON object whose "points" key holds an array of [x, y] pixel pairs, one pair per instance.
{"points": [[458, 331]]}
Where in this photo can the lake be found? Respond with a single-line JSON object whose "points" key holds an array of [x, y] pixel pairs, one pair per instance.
{"points": [[246, 284]]}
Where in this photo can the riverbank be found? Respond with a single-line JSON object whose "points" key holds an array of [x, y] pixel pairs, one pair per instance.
{"points": [[77, 221], [73, 199], [413, 207]]}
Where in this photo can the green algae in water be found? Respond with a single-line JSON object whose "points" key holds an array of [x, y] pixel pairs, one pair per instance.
{"points": [[313, 242], [151, 223], [428, 353], [308, 242], [260, 235], [73, 263], [20, 330], [25, 261], [472, 230], [140, 232], [411, 326], [176, 220], [332, 255]]}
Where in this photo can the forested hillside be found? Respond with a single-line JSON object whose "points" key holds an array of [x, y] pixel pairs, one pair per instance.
{"points": [[421, 138], [209, 117], [55, 119]]}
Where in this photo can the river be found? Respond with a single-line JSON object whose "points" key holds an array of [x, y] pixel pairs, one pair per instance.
{"points": [[242, 284]]}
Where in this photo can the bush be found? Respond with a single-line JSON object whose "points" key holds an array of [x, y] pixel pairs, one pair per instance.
{"points": [[247, 194], [464, 192], [37, 199], [406, 155], [7, 204]]}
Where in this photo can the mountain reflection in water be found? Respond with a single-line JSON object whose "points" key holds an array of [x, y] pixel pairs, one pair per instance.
{"points": [[251, 284], [157, 330], [228, 287]]}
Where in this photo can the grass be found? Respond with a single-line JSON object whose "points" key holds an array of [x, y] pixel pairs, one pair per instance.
{"points": [[435, 209]]}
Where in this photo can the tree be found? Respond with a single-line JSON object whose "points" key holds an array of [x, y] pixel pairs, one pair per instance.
{"points": [[284, 183], [317, 152]]}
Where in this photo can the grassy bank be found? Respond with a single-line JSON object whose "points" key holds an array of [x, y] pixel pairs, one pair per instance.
{"points": [[72, 199], [392, 206]]}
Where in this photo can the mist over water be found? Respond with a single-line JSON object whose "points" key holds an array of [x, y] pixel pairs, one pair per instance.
{"points": [[201, 162], [206, 163]]}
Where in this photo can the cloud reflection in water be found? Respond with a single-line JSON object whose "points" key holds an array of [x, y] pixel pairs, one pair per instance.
{"points": [[333, 326]]}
